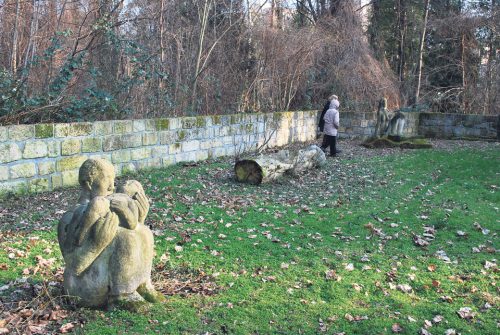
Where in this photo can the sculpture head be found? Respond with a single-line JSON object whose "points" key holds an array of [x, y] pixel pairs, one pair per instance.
{"points": [[97, 177], [382, 104]]}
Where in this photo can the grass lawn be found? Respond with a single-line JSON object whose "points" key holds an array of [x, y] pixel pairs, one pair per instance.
{"points": [[371, 244]]}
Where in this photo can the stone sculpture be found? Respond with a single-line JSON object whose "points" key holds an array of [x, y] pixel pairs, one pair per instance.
{"points": [[396, 126], [382, 118], [107, 249]]}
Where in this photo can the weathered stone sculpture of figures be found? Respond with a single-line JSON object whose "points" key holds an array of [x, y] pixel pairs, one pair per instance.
{"points": [[382, 118], [391, 127], [396, 126], [107, 249]]}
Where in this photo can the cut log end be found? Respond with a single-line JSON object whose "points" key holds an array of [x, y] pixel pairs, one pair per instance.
{"points": [[248, 171]]}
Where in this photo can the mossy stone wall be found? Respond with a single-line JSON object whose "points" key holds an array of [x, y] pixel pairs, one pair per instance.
{"points": [[43, 157]]}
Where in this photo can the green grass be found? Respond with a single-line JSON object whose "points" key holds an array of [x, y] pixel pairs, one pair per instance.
{"points": [[277, 285]]}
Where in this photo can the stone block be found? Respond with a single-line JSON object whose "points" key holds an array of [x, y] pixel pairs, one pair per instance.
{"points": [[105, 156], [188, 122], [132, 140], [168, 137], [201, 155], [139, 126], [159, 151], [227, 140], [149, 139], [121, 156], [217, 152], [92, 144], [35, 149], [174, 148], [54, 148], [128, 168], [70, 178], [103, 128], [23, 170], [123, 127], [73, 129], [201, 121], [4, 136], [44, 130], [56, 182], [71, 146], [150, 124], [162, 124], [207, 144], [4, 172], [149, 164], [140, 153], [70, 163], [21, 132], [190, 146], [111, 143], [9, 152], [18, 186], [169, 160], [39, 185], [186, 157], [175, 123], [46, 167]]}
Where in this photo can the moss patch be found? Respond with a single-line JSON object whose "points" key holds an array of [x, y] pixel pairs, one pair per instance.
{"points": [[410, 143], [200, 122], [162, 124], [44, 130]]}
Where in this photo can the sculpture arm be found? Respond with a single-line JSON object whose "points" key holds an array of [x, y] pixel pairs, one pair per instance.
{"points": [[98, 208], [127, 211], [142, 205]]}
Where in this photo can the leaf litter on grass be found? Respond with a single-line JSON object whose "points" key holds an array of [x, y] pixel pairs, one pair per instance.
{"points": [[196, 203]]}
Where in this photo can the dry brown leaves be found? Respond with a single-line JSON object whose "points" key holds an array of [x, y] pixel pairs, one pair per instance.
{"points": [[37, 308], [183, 282]]}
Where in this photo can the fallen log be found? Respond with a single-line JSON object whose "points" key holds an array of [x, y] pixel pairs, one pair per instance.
{"points": [[263, 169]]}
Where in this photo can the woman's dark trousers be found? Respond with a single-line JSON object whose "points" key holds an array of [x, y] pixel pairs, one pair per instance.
{"points": [[330, 141]]}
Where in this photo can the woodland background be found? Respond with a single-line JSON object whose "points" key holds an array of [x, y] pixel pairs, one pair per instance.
{"points": [[75, 60]]}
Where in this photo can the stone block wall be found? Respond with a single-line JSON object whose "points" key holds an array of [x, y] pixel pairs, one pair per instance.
{"points": [[439, 125], [43, 157], [362, 125]]}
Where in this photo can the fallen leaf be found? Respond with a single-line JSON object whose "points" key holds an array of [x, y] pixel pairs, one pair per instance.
{"points": [[431, 267], [357, 287], [489, 265], [404, 288], [423, 331], [66, 328], [418, 240], [396, 328], [437, 319], [466, 313], [349, 267]]}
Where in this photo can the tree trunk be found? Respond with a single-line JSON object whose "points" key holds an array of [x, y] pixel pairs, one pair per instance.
{"points": [[15, 37], [265, 169], [421, 52], [162, 48], [260, 170]]}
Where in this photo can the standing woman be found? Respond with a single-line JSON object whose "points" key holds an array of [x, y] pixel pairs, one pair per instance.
{"points": [[331, 127], [321, 123]]}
